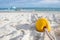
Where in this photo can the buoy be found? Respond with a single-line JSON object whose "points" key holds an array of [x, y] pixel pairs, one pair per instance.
{"points": [[42, 23]]}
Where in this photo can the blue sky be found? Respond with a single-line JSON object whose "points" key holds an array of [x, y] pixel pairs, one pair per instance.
{"points": [[29, 3]]}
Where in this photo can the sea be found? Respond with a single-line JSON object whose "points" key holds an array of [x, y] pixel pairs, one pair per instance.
{"points": [[29, 9]]}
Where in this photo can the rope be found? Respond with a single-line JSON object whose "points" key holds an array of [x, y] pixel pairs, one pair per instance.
{"points": [[49, 35]]}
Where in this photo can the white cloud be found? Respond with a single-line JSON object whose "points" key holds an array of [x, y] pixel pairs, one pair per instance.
{"points": [[50, 1], [30, 3]]}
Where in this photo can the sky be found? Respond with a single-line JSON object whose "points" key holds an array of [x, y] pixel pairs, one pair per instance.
{"points": [[29, 3]]}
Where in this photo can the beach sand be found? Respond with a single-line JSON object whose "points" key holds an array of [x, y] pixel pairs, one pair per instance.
{"points": [[21, 25]]}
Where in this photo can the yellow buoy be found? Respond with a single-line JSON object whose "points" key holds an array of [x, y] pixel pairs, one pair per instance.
{"points": [[42, 23]]}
